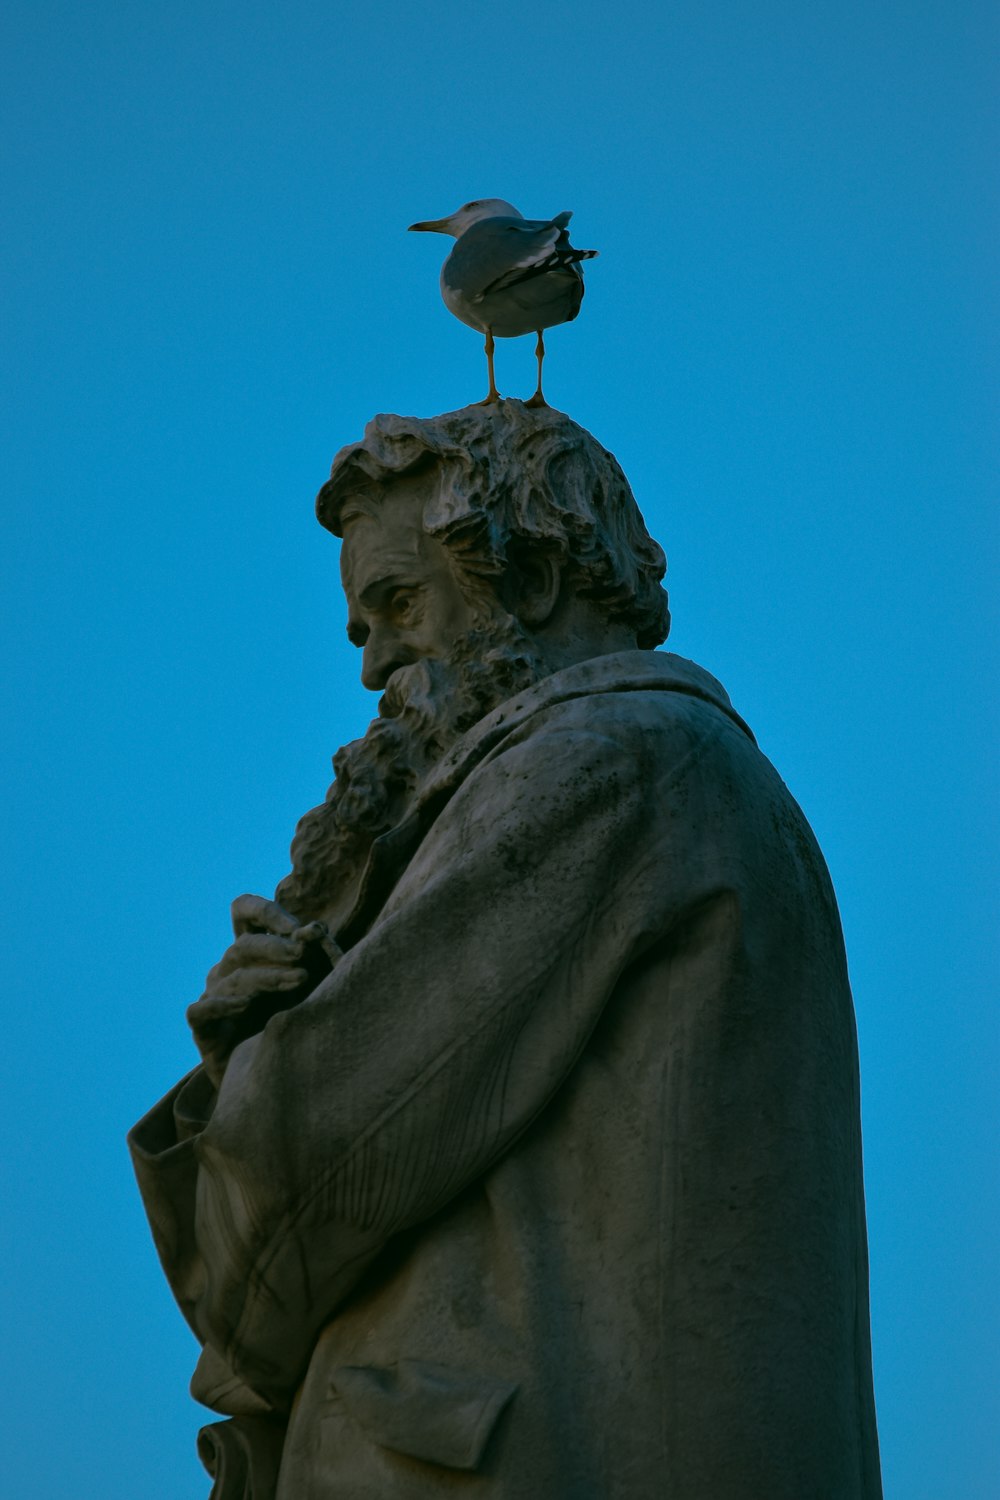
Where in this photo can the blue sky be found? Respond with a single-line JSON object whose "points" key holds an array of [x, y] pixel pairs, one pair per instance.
{"points": [[786, 340]]}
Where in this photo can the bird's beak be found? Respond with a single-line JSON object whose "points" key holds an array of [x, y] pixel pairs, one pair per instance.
{"points": [[436, 226]]}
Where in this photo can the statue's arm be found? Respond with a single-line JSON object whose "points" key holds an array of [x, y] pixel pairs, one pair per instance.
{"points": [[432, 1045]]}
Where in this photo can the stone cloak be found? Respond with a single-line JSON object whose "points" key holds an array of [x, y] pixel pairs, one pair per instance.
{"points": [[553, 1187]]}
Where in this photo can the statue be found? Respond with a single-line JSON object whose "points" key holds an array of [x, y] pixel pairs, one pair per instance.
{"points": [[523, 1159]]}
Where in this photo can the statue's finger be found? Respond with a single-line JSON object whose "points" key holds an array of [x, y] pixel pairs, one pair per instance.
{"points": [[258, 948], [212, 1009], [244, 985], [257, 914], [318, 932]]}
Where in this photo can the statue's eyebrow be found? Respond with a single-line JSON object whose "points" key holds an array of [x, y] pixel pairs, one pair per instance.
{"points": [[373, 592]]}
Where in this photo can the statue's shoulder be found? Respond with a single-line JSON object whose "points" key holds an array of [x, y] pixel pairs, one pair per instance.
{"points": [[641, 709], [655, 689]]}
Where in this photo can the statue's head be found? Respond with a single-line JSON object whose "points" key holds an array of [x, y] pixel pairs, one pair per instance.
{"points": [[482, 551], [483, 516]]}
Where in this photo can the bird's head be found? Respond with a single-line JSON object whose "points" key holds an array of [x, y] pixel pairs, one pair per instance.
{"points": [[470, 213]]}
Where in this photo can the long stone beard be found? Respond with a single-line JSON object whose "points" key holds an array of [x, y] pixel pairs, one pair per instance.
{"points": [[424, 710]]}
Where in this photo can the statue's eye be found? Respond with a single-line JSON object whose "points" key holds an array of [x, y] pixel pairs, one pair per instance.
{"points": [[401, 603]]}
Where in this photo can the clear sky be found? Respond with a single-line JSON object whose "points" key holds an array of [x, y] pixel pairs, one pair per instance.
{"points": [[786, 341]]}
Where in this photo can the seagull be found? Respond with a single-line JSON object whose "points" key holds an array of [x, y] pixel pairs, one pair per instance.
{"points": [[509, 275]]}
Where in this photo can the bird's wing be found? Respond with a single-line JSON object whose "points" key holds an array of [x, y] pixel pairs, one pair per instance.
{"points": [[552, 257], [531, 226], [494, 251], [532, 253], [497, 248], [545, 247]]}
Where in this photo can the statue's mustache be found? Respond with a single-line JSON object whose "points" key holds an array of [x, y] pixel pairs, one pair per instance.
{"points": [[420, 680]]}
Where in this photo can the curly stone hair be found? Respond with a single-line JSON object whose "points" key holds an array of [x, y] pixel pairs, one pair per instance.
{"points": [[516, 478]]}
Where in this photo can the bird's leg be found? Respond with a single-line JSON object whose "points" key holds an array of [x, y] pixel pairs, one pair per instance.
{"points": [[538, 399], [493, 395]]}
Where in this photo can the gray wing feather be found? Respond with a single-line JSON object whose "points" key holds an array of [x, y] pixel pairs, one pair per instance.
{"points": [[499, 252]]}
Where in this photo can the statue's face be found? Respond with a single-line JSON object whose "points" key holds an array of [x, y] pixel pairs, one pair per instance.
{"points": [[404, 600]]}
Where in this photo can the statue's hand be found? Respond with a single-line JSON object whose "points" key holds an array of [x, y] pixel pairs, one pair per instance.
{"points": [[274, 963]]}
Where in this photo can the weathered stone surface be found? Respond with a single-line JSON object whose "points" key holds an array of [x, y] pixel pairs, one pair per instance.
{"points": [[524, 1156]]}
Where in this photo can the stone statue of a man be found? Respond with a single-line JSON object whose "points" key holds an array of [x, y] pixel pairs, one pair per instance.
{"points": [[523, 1160]]}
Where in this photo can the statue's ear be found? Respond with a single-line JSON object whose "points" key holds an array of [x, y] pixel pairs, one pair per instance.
{"points": [[532, 584]]}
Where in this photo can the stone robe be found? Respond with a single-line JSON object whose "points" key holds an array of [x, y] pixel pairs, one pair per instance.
{"points": [[552, 1189]]}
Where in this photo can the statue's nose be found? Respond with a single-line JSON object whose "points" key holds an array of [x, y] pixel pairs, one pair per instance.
{"points": [[384, 653]]}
